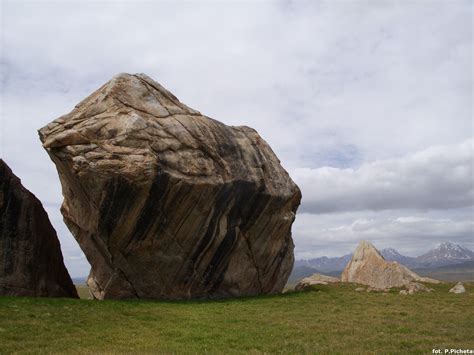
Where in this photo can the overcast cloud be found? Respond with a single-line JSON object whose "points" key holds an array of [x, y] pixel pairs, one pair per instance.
{"points": [[440, 177], [368, 104], [411, 232]]}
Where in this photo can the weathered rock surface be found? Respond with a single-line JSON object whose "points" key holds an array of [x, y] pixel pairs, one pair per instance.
{"points": [[31, 262], [414, 287], [168, 203], [368, 267], [459, 288], [315, 279]]}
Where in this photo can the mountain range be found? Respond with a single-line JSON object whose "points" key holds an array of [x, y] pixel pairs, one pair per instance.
{"points": [[443, 255]]}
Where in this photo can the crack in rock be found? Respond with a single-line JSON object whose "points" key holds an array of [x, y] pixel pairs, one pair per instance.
{"points": [[183, 205]]}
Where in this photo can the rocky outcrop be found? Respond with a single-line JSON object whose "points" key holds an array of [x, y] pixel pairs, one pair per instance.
{"points": [[458, 288], [315, 279], [414, 287], [428, 280], [31, 263], [368, 267], [168, 203]]}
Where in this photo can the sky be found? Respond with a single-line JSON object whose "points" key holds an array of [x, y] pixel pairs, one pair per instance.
{"points": [[368, 104]]}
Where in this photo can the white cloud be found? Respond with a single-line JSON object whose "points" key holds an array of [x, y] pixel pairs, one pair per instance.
{"points": [[312, 78], [439, 177], [338, 234]]}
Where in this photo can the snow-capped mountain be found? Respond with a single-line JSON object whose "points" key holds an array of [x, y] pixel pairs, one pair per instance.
{"points": [[325, 264], [446, 254], [443, 254], [391, 254]]}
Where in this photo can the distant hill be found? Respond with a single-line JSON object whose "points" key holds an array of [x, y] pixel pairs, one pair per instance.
{"points": [[449, 261], [326, 264], [451, 273], [446, 254], [300, 272], [79, 280], [391, 254]]}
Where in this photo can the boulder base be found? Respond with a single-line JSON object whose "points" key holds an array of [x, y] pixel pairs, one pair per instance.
{"points": [[31, 262], [168, 203]]}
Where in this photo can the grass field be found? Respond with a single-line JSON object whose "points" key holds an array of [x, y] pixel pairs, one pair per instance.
{"points": [[326, 319], [83, 291]]}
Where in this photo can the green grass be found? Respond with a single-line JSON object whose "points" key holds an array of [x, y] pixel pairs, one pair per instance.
{"points": [[83, 291], [326, 319]]}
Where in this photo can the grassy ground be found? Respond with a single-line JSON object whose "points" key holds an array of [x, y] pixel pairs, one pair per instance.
{"points": [[325, 319], [83, 291]]}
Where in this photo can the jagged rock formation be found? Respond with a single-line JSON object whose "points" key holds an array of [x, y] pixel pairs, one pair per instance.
{"points": [[368, 267], [31, 263], [315, 279], [168, 203]]}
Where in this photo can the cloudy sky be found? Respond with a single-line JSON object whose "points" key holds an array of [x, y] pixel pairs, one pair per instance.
{"points": [[368, 104]]}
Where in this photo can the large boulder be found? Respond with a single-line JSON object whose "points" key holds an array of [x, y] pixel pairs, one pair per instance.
{"points": [[168, 203], [31, 263], [368, 267]]}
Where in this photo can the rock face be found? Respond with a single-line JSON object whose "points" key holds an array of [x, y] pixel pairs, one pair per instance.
{"points": [[31, 263], [368, 267], [459, 288], [168, 203], [315, 279]]}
